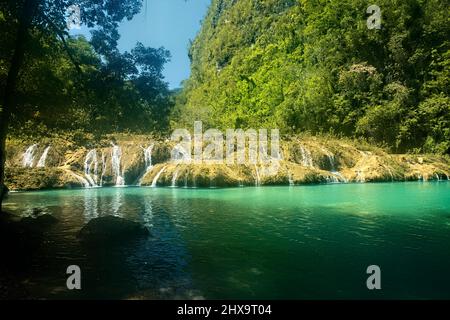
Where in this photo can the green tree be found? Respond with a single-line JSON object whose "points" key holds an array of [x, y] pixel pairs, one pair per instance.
{"points": [[26, 18]]}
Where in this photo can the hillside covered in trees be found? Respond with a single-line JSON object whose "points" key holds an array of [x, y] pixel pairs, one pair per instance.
{"points": [[349, 100], [315, 66]]}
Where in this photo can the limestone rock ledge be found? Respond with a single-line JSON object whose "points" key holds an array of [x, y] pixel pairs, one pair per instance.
{"points": [[304, 160]]}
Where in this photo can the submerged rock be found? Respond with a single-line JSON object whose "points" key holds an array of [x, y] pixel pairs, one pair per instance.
{"points": [[111, 229], [39, 221]]}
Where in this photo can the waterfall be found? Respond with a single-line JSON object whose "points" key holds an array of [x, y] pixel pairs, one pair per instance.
{"points": [[174, 179], [148, 158], [438, 178], [28, 156], [360, 177], [155, 179], [116, 156], [103, 168], [258, 179], [332, 179], [148, 163], [291, 179], [91, 159], [81, 179], [43, 158], [306, 157], [339, 175], [332, 161]]}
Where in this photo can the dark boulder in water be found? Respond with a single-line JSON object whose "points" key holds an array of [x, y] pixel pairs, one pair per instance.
{"points": [[39, 221], [112, 229]]}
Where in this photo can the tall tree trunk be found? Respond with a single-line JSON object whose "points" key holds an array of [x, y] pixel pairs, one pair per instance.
{"points": [[8, 102]]}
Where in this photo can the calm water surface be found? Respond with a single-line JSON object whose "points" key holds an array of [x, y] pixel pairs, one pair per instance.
{"points": [[303, 242]]}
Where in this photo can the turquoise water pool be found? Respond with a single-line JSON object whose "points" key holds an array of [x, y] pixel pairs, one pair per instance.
{"points": [[302, 242]]}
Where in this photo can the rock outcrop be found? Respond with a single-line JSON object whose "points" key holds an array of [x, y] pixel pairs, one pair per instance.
{"points": [[304, 160], [110, 230]]}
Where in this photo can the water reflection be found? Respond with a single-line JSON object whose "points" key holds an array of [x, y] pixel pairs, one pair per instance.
{"points": [[147, 216], [248, 243], [90, 204], [116, 202]]}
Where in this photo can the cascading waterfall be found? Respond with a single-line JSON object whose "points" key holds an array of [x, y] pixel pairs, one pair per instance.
{"points": [[116, 156], [339, 177], [174, 179], [332, 161], [336, 176], [103, 168], [360, 176], [148, 162], [43, 158], [148, 158], [306, 157], [291, 179], [81, 179], [332, 179], [155, 179], [28, 156], [257, 178], [91, 160]]}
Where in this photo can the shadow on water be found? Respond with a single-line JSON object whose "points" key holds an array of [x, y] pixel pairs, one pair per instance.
{"points": [[151, 268], [260, 243]]}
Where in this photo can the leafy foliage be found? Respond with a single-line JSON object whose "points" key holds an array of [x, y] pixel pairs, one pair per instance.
{"points": [[72, 84], [303, 65]]}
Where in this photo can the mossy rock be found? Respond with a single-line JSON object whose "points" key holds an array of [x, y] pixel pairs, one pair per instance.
{"points": [[111, 230]]}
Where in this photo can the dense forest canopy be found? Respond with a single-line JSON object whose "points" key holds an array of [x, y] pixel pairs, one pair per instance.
{"points": [[68, 83], [52, 83], [302, 65]]}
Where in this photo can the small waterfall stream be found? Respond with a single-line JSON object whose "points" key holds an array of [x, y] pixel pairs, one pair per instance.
{"points": [[91, 160], [257, 177], [43, 158], [103, 168], [116, 156], [291, 179], [174, 179], [360, 176], [155, 179], [81, 179], [148, 158], [306, 157], [147, 162], [28, 156], [340, 177]]}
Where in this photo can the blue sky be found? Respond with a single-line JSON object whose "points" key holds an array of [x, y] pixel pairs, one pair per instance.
{"points": [[167, 23]]}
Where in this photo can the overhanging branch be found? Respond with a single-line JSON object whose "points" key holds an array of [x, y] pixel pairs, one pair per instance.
{"points": [[66, 47]]}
